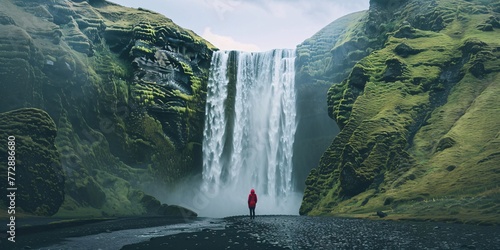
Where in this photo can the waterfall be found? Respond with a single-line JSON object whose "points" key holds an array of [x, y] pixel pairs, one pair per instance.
{"points": [[249, 131]]}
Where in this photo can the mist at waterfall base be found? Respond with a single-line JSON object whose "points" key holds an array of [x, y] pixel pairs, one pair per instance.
{"points": [[227, 201], [249, 135]]}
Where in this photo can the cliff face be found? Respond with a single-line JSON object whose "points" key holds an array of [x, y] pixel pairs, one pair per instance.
{"points": [[124, 87], [417, 112], [315, 130]]}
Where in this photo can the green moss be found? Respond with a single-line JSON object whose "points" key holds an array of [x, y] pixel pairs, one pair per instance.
{"points": [[116, 130], [417, 120], [186, 68], [37, 165]]}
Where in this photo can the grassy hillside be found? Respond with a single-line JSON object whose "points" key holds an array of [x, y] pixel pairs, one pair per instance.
{"points": [[125, 88], [315, 130], [419, 135]]}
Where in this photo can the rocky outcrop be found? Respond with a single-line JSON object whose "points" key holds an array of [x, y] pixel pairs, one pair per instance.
{"points": [[155, 208], [416, 114], [28, 136], [125, 87]]}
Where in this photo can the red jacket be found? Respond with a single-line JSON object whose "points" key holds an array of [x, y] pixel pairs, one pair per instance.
{"points": [[252, 199]]}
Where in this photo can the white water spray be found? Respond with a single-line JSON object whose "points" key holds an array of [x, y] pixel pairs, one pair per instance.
{"points": [[250, 145]]}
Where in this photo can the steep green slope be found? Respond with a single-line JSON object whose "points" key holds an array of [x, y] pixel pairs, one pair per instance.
{"points": [[418, 115], [125, 88], [315, 130]]}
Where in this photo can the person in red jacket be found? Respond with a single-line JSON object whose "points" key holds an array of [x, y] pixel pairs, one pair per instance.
{"points": [[252, 201]]}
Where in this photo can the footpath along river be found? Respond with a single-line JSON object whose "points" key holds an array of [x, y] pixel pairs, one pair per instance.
{"points": [[265, 232]]}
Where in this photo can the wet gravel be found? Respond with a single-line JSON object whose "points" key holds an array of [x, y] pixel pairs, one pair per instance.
{"points": [[295, 232], [265, 232]]}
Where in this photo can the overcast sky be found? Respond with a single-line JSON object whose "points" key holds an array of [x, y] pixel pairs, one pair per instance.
{"points": [[252, 25]]}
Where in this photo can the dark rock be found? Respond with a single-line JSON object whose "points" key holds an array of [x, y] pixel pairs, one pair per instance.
{"points": [[352, 182], [381, 214], [365, 201], [358, 77], [154, 207], [494, 22], [151, 204], [394, 70], [485, 27], [178, 211], [489, 24], [162, 210], [405, 50], [445, 143], [406, 32], [451, 168], [478, 70], [472, 46], [388, 201]]}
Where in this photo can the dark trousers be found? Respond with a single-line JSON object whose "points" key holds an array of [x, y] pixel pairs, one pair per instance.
{"points": [[252, 213]]}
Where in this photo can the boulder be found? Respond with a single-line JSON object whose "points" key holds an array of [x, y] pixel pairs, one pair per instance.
{"points": [[176, 211], [155, 208], [381, 214], [151, 204]]}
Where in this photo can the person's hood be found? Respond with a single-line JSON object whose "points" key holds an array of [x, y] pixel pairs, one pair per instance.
{"points": [[252, 191]]}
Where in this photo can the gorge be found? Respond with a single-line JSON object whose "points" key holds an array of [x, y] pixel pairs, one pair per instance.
{"points": [[390, 109]]}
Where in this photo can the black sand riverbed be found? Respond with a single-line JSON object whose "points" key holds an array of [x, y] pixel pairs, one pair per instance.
{"points": [[294, 232], [265, 232]]}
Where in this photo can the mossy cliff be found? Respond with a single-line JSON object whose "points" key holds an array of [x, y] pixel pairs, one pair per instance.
{"points": [[315, 130], [415, 92], [125, 89], [31, 133]]}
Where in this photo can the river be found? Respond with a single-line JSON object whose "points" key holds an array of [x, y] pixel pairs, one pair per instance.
{"points": [[265, 232]]}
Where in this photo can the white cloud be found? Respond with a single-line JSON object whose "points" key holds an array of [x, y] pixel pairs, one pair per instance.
{"points": [[252, 25], [226, 42]]}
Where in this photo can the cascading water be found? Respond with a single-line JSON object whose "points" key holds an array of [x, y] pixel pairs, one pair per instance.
{"points": [[249, 132]]}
